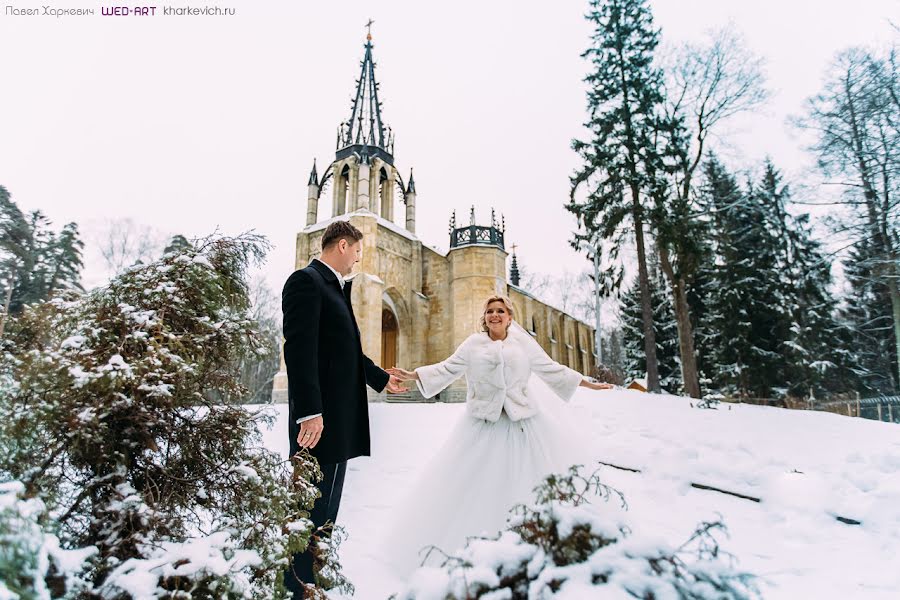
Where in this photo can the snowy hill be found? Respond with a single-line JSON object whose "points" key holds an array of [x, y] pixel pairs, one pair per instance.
{"points": [[806, 468]]}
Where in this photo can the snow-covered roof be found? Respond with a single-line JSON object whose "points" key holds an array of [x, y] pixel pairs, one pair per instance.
{"points": [[362, 212]]}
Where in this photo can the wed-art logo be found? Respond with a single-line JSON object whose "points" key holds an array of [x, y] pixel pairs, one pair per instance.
{"points": [[127, 11]]}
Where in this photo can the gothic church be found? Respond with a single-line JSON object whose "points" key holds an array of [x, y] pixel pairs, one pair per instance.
{"points": [[415, 305]]}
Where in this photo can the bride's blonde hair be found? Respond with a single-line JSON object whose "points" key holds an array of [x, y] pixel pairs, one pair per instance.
{"points": [[506, 302]]}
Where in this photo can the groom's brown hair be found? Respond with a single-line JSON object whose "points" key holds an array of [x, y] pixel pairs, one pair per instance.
{"points": [[340, 230]]}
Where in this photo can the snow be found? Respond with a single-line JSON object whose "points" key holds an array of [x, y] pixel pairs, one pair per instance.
{"points": [[362, 212], [213, 554], [160, 389], [80, 376], [74, 342], [806, 467], [30, 549]]}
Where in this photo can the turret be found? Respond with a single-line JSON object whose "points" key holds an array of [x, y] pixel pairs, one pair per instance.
{"points": [[410, 199]]}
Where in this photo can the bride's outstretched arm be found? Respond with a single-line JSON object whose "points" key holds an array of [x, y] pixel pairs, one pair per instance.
{"points": [[431, 379], [595, 385], [559, 378]]}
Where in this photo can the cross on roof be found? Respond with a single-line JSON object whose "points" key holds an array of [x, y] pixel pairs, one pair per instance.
{"points": [[369, 28], [514, 246]]}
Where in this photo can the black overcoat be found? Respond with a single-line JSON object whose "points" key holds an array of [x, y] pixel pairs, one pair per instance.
{"points": [[326, 368]]}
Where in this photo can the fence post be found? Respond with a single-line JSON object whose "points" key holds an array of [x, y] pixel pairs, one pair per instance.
{"points": [[879, 411], [890, 414]]}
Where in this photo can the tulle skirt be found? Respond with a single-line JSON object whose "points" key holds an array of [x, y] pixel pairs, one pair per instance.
{"points": [[480, 473]]}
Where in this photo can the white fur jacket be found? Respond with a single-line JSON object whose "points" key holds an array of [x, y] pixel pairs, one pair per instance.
{"points": [[497, 375]]}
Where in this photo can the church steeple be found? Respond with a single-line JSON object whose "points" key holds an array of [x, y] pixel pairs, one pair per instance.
{"points": [[514, 269], [363, 174], [365, 131]]}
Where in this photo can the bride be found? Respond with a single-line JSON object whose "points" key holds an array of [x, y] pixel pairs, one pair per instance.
{"points": [[512, 436]]}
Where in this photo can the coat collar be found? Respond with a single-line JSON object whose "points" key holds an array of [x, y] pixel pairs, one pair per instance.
{"points": [[326, 271], [331, 278], [327, 274]]}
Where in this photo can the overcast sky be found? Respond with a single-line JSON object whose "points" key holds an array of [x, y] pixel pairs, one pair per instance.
{"points": [[192, 123]]}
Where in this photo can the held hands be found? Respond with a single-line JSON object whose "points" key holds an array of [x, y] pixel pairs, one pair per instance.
{"points": [[393, 385], [402, 374], [596, 385], [310, 432]]}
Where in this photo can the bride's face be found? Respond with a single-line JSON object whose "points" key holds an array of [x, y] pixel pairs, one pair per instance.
{"points": [[497, 317]]}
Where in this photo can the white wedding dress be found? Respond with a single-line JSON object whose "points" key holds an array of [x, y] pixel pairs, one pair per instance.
{"points": [[486, 467]]}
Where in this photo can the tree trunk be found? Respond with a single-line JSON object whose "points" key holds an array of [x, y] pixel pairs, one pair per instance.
{"points": [[877, 225], [646, 308], [894, 293], [7, 302], [689, 374]]}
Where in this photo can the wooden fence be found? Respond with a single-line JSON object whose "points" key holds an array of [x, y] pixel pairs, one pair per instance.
{"points": [[878, 408]]}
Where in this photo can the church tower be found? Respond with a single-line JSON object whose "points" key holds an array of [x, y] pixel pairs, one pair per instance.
{"points": [[363, 174], [414, 304]]}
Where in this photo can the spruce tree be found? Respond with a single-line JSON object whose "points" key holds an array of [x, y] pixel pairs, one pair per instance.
{"points": [[665, 330], [177, 244], [620, 158], [813, 362], [746, 303], [36, 262]]}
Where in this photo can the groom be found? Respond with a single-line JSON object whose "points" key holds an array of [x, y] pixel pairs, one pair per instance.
{"points": [[327, 376]]}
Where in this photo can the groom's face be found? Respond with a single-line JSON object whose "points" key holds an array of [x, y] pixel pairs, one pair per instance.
{"points": [[349, 255]]}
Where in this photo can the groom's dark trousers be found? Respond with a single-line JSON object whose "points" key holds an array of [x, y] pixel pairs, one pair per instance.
{"points": [[327, 375], [324, 510]]}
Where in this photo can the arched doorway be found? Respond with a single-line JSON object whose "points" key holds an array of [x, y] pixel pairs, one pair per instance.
{"points": [[389, 331]]}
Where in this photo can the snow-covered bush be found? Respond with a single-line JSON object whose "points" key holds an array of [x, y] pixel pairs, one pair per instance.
{"points": [[561, 546], [121, 412], [33, 566]]}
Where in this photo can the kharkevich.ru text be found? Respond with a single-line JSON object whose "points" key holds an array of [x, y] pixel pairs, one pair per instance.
{"points": [[196, 12]]}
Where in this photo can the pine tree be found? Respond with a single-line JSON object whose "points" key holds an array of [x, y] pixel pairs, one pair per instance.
{"points": [[177, 244], [620, 158], [36, 262], [665, 330], [812, 360], [746, 315]]}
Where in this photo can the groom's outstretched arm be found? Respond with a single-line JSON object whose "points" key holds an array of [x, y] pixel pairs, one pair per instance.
{"points": [[376, 377], [301, 303]]}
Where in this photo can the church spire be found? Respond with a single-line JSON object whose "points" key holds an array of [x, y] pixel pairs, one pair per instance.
{"points": [[514, 270], [365, 128]]}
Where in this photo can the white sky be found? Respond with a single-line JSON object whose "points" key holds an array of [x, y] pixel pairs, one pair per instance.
{"points": [[188, 124]]}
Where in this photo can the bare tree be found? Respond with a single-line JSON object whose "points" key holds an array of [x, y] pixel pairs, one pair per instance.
{"points": [[258, 372], [705, 85], [123, 243], [535, 283], [570, 291], [856, 119]]}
